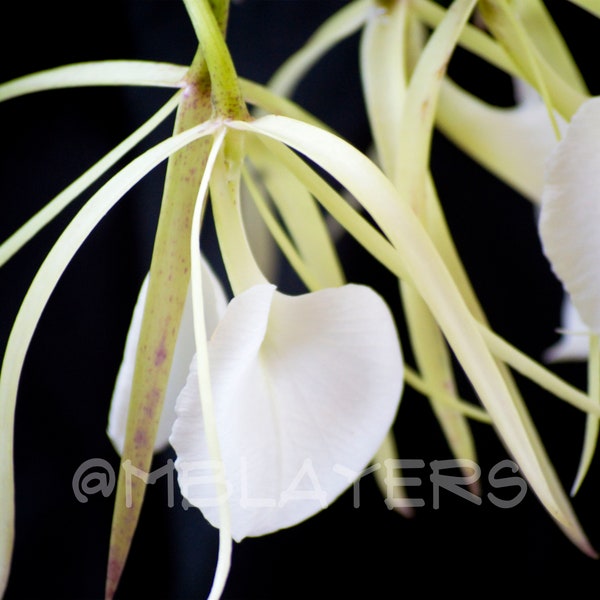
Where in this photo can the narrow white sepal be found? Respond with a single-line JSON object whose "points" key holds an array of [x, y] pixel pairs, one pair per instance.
{"points": [[215, 303], [305, 389], [570, 212], [513, 143]]}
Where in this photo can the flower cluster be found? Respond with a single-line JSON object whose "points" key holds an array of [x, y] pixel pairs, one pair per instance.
{"points": [[316, 379]]}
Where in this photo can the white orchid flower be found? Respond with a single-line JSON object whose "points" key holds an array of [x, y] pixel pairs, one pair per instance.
{"points": [[313, 380], [318, 377]]}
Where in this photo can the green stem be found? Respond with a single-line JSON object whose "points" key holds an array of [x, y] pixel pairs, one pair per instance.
{"points": [[228, 101], [169, 280]]}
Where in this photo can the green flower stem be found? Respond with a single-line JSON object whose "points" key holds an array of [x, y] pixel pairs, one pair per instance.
{"points": [[169, 281], [227, 98]]}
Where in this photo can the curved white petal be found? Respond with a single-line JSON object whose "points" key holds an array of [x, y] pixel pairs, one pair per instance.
{"points": [[513, 143], [215, 303], [574, 343], [570, 213], [305, 389]]}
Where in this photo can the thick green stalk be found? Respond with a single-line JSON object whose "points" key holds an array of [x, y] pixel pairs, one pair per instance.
{"points": [[227, 97], [169, 279], [212, 92], [211, 89]]}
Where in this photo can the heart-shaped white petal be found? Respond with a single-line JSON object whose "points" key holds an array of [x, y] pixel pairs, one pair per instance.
{"points": [[305, 389], [215, 303], [569, 221]]}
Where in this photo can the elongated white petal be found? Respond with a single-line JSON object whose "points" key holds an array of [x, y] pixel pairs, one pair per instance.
{"points": [[339, 26], [27, 231], [570, 212], [215, 303], [305, 390], [513, 143], [97, 73]]}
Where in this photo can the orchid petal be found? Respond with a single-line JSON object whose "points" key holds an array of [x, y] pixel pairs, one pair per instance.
{"points": [[97, 73], [570, 213], [383, 65], [516, 142], [507, 27], [215, 303], [301, 216], [302, 386], [28, 230], [541, 27], [592, 6], [341, 25]]}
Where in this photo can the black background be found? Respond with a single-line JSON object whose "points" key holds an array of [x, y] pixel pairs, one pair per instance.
{"points": [[49, 139]]}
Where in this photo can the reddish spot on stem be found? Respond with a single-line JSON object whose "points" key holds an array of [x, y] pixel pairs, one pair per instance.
{"points": [[161, 353], [152, 397], [140, 439]]}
